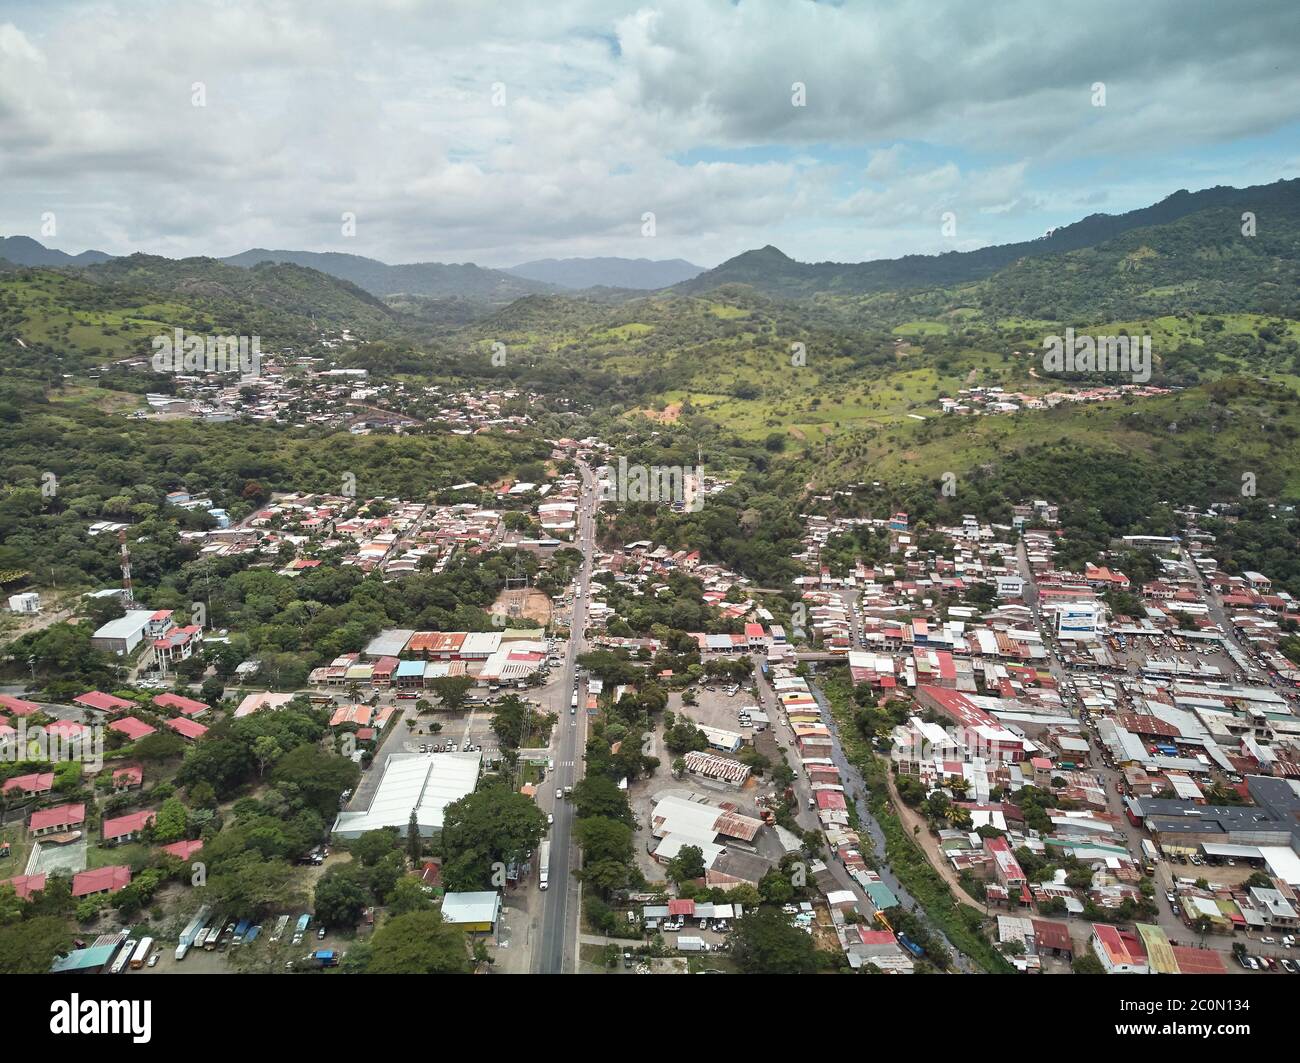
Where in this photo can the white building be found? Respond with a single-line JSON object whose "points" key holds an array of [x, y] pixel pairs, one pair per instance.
{"points": [[425, 783], [27, 602]]}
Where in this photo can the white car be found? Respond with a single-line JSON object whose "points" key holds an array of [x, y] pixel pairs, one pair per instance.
{"points": [[550, 819]]}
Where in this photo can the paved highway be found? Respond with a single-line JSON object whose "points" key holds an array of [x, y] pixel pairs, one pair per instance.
{"points": [[555, 951]]}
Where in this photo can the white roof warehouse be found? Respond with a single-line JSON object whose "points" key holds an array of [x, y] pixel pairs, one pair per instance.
{"points": [[427, 783]]}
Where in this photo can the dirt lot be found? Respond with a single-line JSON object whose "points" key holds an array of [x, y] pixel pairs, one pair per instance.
{"points": [[527, 602]]}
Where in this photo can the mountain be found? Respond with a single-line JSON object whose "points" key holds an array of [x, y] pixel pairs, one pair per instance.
{"points": [[24, 251], [416, 278], [635, 273], [771, 271], [269, 288]]}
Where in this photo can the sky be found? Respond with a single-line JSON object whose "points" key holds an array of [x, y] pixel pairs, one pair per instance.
{"points": [[502, 132]]}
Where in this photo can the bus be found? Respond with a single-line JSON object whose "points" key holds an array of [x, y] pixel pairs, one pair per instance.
{"points": [[544, 861], [141, 953], [280, 924], [123, 958]]}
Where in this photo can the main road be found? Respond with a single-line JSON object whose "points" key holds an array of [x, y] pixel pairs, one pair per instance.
{"points": [[556, 946]]}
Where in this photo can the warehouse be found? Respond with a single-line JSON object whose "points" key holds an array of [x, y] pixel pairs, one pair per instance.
{"points": [[123, 634], [425, 783]]}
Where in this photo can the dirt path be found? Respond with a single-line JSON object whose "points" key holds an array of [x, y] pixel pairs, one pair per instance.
{"points": [[911, 820]]}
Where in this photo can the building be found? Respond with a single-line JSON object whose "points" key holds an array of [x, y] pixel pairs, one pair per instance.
{"points": [[476, 913], [28, 602], [1119, 952], [126, 828], [425, 783], [57, 820], [101, 880], [123, 634]]}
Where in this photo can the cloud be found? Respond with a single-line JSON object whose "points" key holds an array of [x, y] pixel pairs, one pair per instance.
{"points": [[679, 107]]}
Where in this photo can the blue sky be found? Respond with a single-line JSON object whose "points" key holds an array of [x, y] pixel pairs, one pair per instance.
{"points": [[466, 130]]}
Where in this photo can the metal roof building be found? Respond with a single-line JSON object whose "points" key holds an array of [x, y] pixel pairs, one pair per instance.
{"points": [[476, 912], [425, 783]]}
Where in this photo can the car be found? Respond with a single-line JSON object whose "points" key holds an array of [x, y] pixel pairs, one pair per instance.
{"points": [[550, 818], [297, 940], [1268, 941], [559, 793], [1169, 896], [153, 960], [1289, 967], [320, 934]]}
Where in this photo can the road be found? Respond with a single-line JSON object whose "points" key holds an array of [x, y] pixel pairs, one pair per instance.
{"points": [[555, 948]]}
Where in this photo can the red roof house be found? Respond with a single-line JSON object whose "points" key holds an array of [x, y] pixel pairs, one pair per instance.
{"points": [[101, 702], [57, 819], [131, 727], [101, 880], [125, 828], [187, 728]]}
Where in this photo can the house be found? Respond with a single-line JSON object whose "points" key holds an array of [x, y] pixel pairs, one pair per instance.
{"points": [[57, 820], [33, 785], [183, 850], [101, 702], [263, 700], [1120, 952], [125, 828], [18, 706], [128, 777], [187, 728], [25, 885], [185, 706], [101, 880], [132, 727]]}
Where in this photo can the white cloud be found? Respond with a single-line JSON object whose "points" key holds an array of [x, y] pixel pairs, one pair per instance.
{"points": [[680, 107]]}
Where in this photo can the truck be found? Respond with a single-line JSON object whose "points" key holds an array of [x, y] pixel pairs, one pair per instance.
{"points": [[1150, 856], [325, 958], [544, 862], [573, 703], [194, 931], [141, 953]]}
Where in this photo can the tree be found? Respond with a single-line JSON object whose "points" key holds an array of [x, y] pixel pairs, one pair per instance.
{"points": [[374, 845], [414, 843], [1087, 964], [315, 776], [490, 826], [251, 885], [29, 947], [171, 822], [452, 690], [418, 943], [598, 795], [764, 941], [341, 896], [687, 865], [408, 896]]}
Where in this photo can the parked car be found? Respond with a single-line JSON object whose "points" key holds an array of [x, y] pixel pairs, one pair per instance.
{"points": [[320, 934]]}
